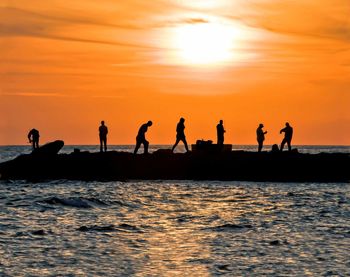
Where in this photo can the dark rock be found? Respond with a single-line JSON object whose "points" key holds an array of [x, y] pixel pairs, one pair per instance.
{"points": [[83, 229], [275, 242], [228, 227], [106, 228], [163, 152], [38, 233], [162, 165], [223, 267], [275, 148], [49, 149]]}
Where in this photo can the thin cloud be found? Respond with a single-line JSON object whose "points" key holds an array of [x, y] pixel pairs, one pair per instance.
{"points": [[327, 20], [21, 13], [195, 21], [16, 22], [59, 95], [35, 94]]}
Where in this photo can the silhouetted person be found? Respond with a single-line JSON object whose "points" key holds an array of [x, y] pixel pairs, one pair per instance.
{"points": [[220, 132], [260, 136], [180, 134], [103, 131], [33, 137], [141, 139], [288, 134]]}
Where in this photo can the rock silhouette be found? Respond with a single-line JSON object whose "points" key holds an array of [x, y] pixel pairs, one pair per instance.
{"points": [[46, 164]]}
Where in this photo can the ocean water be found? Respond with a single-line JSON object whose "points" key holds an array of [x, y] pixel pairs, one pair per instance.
{"points": [[10, 152], [173, 228]]}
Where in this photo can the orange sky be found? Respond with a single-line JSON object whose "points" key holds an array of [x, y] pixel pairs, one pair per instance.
{"points": [[67, 65]]}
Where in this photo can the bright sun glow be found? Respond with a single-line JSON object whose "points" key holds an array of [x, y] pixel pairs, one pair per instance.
{"points": [[205, 43]]}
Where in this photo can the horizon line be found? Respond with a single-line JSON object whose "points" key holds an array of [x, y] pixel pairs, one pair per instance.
{"points": [[29, 145]]}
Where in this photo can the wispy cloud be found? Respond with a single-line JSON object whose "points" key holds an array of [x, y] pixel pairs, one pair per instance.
{"points": [[19, 13], [19, 22], [34, 94], [325, 19]]}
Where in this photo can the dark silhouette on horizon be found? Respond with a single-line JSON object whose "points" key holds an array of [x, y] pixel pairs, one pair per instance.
{"points": [[33, 137], [180, 134], [141, 138], [288, 134], [220, 130], [103, 131], [260, 136], [46, 163]]}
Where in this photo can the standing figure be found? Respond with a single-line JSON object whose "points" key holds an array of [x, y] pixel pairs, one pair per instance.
{"points": [[33, 137], [260, 136], [288, 134], [180, 134], [103, 131], [220, 132], [141, 139]]}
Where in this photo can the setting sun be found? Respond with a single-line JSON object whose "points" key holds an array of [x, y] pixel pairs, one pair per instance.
{"points": [[205, 43]]}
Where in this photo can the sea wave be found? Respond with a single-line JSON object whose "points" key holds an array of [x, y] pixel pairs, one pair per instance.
{"points": [[189, 228], [76, 202]]}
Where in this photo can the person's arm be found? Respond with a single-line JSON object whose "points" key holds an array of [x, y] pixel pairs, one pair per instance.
{"points": [[265, 132], [29, 136], [282, 130]]}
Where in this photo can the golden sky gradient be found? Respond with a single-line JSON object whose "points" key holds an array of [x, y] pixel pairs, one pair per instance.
{"points": [[67, 65]]}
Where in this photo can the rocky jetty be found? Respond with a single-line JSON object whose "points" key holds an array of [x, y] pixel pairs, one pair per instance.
{"points": [[46, 164]]}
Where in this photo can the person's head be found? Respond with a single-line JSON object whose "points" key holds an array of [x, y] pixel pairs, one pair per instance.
{"points": [[149, 123], [102, 123], [287, 124], [261, 125], [221, 121], [182, 120]]}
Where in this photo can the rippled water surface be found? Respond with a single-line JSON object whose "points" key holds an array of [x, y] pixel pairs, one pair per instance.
{"points": [[187, 228], [173, 228]]}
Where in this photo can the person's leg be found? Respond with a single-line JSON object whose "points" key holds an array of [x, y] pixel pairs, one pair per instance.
{"points": [[105, 144], [289, 146], [260, 146], [176, 143], [282, 144], [138, 144], [220, 142], [145, 145], [185, 143], [101, 146]]}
